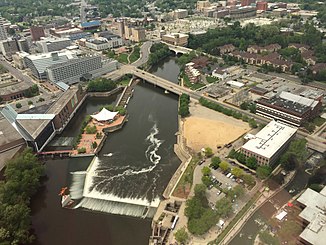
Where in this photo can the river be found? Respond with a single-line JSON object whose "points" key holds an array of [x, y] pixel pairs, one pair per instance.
{"points": [[144, 146]]}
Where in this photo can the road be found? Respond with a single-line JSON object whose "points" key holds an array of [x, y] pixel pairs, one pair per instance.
{"points": [[144, 54]]}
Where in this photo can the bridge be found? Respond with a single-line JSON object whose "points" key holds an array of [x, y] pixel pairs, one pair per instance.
{"points": [[178, 49], [314, 142]]}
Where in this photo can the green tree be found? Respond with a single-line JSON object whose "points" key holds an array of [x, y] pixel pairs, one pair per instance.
{"points": [[18, 105], [224, 166], [94, 145], [238, 191], [181, 235], [249, 179], [263, 172], [223, 207], [252, 123], [208, 152], [251, 162], [206, 180], [267, 238], [101, 85], [215, 161], [206, 171], [237, 172]]}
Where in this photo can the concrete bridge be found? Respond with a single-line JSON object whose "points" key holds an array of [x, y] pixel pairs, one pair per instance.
{"points": [[178, 49]]}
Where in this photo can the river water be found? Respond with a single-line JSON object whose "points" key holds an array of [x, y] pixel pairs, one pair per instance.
{"points": [[143, 162]]}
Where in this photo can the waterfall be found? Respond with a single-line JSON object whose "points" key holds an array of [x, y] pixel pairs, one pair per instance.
{"points": [[95, 196], [77, 184]]}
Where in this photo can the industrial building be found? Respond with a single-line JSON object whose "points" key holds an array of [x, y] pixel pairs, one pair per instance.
{"points": [[313, 216], [289, 108], [269, 143], [177, 39], [52, 44]]}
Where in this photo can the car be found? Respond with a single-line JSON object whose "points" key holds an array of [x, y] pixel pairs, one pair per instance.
{"points": [[201, 162], [210, 187], [218, 192]]}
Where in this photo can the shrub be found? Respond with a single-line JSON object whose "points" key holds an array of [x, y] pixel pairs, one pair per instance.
{"points": [[18, 105], [81, 150]]}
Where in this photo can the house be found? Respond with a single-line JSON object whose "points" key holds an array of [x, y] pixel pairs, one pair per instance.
{"points": [[226, 48], [301, 47], [309, 57], [318, 67]]}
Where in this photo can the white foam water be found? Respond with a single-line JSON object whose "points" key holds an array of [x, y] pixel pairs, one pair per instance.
{"points": [[77, 184], [95, 199]]}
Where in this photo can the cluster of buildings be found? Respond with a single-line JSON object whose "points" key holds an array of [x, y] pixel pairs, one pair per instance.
{"points": [[313, 216], [192, 73]]}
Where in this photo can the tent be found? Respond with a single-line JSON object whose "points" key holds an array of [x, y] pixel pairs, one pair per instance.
{"points": [[104, 115]]}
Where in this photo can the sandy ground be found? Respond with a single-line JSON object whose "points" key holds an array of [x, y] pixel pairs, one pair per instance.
{"points": [[207, 128]]}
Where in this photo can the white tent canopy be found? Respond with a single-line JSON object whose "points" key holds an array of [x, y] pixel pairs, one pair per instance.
{"points": [[104, 115]]}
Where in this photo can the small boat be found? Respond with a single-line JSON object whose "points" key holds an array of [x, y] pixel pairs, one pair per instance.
{"points": [[291, 191], [166, 92], [108, 155]]}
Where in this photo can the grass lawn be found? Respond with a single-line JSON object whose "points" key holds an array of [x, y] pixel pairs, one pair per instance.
{"points": [[135, 55], [318, 121], [211, 79], [188, 84], [122, 58], [184, 185]]}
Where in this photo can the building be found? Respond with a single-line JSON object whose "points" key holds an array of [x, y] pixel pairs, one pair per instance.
{"points": [[235, 84], [313, 205], [227, 48], [177, 39], [247, 2], [39, 129], [242, 12], [201, 5], [18, 59], [138, 34], [269, 143], [11, 88], [288, 108], [192, 73], [220, 73], [3, 32], [8, 48], [65, 32], [180, 13], [52, 44], [92, 25], [102, 43], [37, 32], [72, 71], [38, 63], [262, 6]]}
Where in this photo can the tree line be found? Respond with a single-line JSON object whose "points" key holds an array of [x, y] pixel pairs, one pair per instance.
{"points": [[101, 85], [159, 51], [22, 180], [229, 112], [184, 105]]}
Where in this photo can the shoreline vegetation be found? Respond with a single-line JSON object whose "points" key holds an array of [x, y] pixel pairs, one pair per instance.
{"points": [[22, 180]]}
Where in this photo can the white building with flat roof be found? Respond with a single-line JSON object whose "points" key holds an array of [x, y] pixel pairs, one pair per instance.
{"points": [[52, 44], [269, 143], [314, 217]]}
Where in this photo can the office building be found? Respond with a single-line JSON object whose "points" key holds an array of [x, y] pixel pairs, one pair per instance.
{"points": [[262, 6], [38, 63], [102, 43], [177, 39], [37, 32], [8, 48], [180, 13], [72, 71], [313, 216], [247, 2], [289, 108], [52, 44], [201, 5], [242, 12], [3, 32], [92, 25], [138, 34], [269, 143]]}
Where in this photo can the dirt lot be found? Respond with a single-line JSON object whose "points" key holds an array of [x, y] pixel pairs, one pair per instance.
{"points": [[207, 128]]}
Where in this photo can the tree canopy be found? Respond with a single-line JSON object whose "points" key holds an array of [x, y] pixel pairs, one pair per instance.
{"points": [[101, 85]]}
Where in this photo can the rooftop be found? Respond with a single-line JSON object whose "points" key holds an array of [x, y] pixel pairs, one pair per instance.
{"points": [[33, 126], [62, 100], [314, 213], [270, 139], [8, 133], [91, 23], [12, 87]]}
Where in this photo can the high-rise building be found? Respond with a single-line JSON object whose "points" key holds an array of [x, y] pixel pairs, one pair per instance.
{"points": [[3, 32], [37, 32], [201, 5], [262, 6], [138, 34], [247, 2]]}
